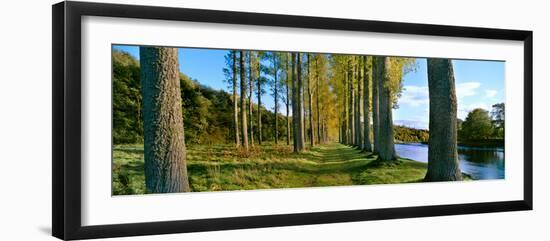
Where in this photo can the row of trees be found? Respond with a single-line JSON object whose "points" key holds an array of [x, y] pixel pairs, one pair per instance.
{"points": [[207, 116], [327, 93], [208, 113], [372, 84], [163, 132], [365, 85], [358, 86], [297, 80]]}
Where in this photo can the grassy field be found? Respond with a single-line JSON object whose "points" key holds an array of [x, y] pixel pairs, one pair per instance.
{"points": [[221, 167]]}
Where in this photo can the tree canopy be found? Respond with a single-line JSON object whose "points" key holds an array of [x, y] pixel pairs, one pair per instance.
{"points": [[477, 125]]}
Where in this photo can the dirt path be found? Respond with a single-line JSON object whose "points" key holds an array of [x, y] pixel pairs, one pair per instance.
{"points": [[336, 152], [337, 164]]}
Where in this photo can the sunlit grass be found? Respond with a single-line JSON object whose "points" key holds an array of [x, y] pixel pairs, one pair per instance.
{"points": [[221, 167]]}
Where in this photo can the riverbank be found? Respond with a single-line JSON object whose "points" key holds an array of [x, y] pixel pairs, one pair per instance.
{"points": [[221, 167], [489, 143], [481, 163]]}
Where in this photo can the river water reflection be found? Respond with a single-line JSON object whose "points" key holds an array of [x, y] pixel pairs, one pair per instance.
{"points": [[480, 163]]}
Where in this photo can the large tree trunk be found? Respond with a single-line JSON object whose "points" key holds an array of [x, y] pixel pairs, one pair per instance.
{"points": [[310, 102], [295, 119], [358, 127], [243, 101], [164, 140], [376, 78], [366, 109], [350, 106], [250, 105], [288, 78], [386, 151], [296, 122], [442, 147], [235, 102], [300, 101]]}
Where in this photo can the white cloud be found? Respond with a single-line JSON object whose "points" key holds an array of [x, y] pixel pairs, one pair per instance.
{"points": [[490, 93], [467, 89], [414, 96], [418, 95]]}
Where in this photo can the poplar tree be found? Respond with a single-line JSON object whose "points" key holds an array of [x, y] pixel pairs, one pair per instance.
{"points": [[366, 103], [251, 78], [244, 129], [164, 139], [442, 147], [386, 149]]}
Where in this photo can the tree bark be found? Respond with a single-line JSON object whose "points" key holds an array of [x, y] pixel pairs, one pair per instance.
{"points": [[317, 88], [276, 94], [300, 100], [250, 105], [351, 121], [259, 90], [243, 102], [296, 122], [340, 129], [443, 162], [386, 152], [310, 101], [295, 118], [164, 139], [358, 126], [366, 105], [288, 78], [345, 127], [375, 120], [235, 102]]}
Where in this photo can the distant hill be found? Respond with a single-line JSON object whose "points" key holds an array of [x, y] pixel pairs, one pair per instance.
{"points": [[412, 124], [407, 134]]}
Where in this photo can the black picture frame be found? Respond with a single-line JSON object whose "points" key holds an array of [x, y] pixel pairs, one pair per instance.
{"points": [[67, 136]]}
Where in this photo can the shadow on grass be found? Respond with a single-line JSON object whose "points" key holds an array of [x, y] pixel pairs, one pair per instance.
{"points": [[221, 167]]}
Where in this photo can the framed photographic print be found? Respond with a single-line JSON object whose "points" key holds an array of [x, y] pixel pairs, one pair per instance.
{"points": [[170, 120]]}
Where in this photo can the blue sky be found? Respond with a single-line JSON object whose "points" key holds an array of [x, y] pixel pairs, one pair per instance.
{"points": [[206, 66], [479, 84]]}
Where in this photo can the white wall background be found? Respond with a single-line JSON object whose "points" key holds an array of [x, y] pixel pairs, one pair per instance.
{"points": [[25, 119]]}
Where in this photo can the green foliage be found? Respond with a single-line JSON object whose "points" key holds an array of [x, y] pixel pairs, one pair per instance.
{"points": [[228, 71], [477, 126], [127, 119], [207, 113], [406, 134], [480, 128], [400, 66], [498, 119]]}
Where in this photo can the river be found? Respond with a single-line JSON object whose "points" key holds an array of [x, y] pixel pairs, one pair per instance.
{"points": [[480, 163]]}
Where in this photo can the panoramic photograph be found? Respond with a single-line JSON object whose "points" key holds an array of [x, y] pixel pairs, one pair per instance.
{"points": [[203, 120]]}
